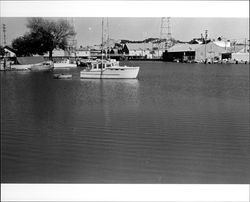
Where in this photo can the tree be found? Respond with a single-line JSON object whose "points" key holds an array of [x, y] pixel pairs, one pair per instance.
{"points": [[44, 35], [25, 45]]}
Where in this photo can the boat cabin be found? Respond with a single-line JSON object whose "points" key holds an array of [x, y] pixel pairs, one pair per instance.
{"points": [[98, 65]]}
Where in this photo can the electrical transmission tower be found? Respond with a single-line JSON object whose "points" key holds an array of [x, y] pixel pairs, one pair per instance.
{"points": [[165, 34]]}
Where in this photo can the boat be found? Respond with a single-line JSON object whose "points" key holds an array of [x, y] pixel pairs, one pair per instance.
{"points": [[21, 67], [62, 76], [64, 64], [44, 66], [85, 62], [108, 69], [34, 63]]}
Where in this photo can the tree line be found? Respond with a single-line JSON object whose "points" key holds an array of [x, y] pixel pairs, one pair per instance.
{"points": [[43, 36]]}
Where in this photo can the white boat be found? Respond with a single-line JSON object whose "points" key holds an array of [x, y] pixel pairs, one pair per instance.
{"points": [[64, 64], [109, 69], [36, 63], [21, 67], [44, 66], [85, 62]]}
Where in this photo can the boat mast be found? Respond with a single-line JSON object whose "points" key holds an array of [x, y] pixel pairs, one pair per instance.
{"points": [[108, 39], [102, 47]]}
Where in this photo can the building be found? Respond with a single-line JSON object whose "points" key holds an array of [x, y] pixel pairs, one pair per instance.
{"points": [[242, 55], [9, 51], [139, 50], [223, 44], [95, 50], [58, 53], [195, 52], [209, 52], [82, 53], [181, 52]]}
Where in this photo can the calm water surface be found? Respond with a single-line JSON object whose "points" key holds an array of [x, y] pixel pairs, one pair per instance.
{"points": [[178, 123]]}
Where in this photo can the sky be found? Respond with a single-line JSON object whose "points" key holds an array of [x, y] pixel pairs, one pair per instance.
{"points": [[89, 29]]}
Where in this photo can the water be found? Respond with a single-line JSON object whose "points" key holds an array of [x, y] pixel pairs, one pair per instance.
{"points": [[178, 123]]}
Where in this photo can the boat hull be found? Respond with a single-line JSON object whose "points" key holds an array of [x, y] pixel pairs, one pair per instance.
{"points": [[111, 73], [64, 65], [47, 66], [20, 67]]}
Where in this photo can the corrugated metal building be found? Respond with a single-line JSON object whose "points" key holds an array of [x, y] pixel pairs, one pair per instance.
{"points": [[181, 52], [195, 52], [209, 52]]}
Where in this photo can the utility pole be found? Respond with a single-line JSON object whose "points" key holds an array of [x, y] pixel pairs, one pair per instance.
{"points": [[4, 34], [72, 40], [4, 44], [245, 45], [206, 45]]}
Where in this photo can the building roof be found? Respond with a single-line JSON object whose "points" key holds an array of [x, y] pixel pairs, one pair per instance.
{"points": [[10, 48], [139, 46], [211, 46], [235, 48], [183, 47], [243, 50]]}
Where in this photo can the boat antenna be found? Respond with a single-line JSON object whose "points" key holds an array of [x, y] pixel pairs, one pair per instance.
{"points": [[102, 47]]}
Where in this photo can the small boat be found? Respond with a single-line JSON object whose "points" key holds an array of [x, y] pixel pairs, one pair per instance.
{"points": [[64, 64], [62, 76], [21, 67], [44, 66], [35, 63]]}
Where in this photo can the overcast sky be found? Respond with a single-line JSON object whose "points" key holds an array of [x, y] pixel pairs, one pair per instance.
{"points": [[89, 29]]}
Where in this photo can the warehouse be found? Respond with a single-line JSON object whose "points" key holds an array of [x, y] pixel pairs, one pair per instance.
{"points": [[182, 52]]}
